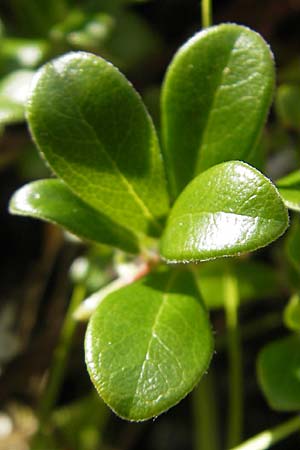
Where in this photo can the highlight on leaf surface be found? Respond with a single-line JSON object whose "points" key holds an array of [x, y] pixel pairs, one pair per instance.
{"points": [[51, 200], [229, 209], [215, 99], [148, 344], [95, 133], [278, 370]]}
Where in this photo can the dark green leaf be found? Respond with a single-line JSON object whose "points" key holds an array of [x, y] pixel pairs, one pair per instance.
{"points": [[215, 99], [94, 131], [279, 373], [148, 344], [52, 201], [288, 105], [289, 188], [291, 314], [228, 209]]}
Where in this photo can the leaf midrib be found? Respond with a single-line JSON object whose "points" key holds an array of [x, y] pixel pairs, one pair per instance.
{"points": [[152, 335], [137, 199], [177, 216]]}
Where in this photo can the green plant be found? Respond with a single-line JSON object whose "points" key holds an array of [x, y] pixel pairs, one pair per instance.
{"points": [[149, 338]]}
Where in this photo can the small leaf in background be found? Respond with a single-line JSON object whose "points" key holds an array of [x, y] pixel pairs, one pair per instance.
{"points": [[94, 131], [256, 280], [215, 99], [287, 103], [52, 201], [81, 423], [291, 315], [292, 246], [228, 209], [148, 344], [22, 53], [14, 89], [289, 188], [279, 373]]}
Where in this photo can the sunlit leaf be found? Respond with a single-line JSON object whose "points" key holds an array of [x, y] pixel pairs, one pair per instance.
{"points": [[95, 133], [228, 209], [215, 99], [52, 201], [148, 344]]}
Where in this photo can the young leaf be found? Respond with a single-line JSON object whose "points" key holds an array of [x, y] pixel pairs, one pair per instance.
{"points": [[94, 131], [279, 373], [215, 99], [287, 105], [148, 344], [289, 188], [291, 315], [228, 209], [52, 201]]}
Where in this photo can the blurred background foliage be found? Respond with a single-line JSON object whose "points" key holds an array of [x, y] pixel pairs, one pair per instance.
{"points": [[41, 265]]}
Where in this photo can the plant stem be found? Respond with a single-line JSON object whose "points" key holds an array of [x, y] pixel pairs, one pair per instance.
{"points": [[206, 13], [266, 439], [60, 357], [235, 416], [205, 414]]}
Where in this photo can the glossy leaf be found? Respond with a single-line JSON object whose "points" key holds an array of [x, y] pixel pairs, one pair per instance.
{"points": [[95, 133], [288, 105], [215, 99], [148, 344], [289, 188], [52, 201], [291, 313], [14, 90], [279, 373], [256, 280], [229, 209]]}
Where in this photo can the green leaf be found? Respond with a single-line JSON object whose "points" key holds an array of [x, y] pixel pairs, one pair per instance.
{"points": [[23, 53], [215, 99], [148, 344], [288, 105], [279, 373], [289, 188], [52, 201], [14, 89], [228, 209], [293, 245], [94, 131], [10, 112], [256, 280], [291, 313]]}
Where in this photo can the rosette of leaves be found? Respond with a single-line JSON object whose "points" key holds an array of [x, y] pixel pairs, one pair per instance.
{"points": [[149, 343]]}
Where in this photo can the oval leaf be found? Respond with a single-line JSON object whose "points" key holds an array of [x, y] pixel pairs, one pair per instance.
{"points": [[148, 344], [228, 209], [215, 99], [279, 373], [92, 127], [52, 201], [289, 188]]}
